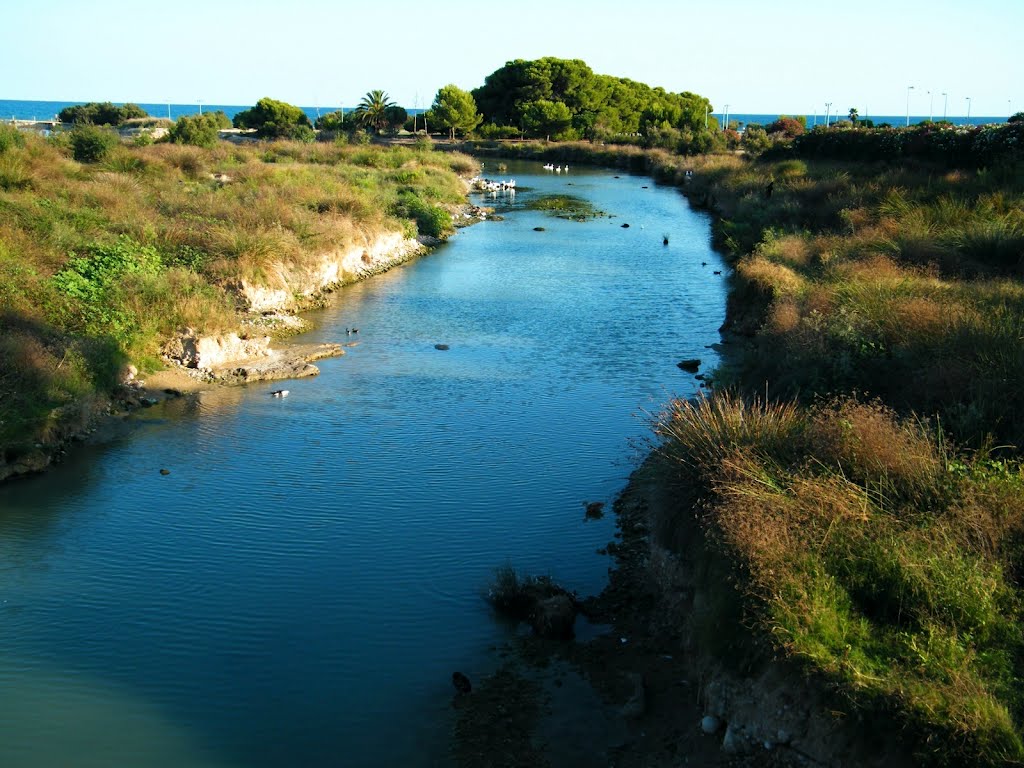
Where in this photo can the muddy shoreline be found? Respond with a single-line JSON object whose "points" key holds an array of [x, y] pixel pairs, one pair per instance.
{"points": [[668, 682]]}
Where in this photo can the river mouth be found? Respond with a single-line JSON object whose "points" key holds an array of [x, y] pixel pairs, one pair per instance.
{"points": [[300, 586]]}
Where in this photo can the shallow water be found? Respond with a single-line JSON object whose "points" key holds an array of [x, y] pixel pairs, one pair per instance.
{"points": [[299, 588]]}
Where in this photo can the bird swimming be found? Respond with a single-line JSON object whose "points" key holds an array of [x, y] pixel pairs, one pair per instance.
{"points": [[279, 393]]}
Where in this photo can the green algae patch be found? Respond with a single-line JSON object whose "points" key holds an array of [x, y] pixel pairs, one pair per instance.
{"points": [[566, 207]]}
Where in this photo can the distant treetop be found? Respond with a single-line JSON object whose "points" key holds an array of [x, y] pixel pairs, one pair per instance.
{"points": [[101, 113], [563, 98]]}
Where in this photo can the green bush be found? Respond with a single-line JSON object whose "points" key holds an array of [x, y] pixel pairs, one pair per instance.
{"points": [[430, 219], [197, 130], [275, 120], [90, 144], [10, 138], [101, 113]]}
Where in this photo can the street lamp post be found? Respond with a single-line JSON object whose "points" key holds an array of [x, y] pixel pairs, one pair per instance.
{"points": [[828, 107], [200, 105], [909, 89], [944, 97], [931, 106], [968, 109], [706, 108], [725, 125]]}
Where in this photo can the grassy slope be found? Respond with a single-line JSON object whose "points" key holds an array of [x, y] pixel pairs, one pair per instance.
{"points": [[100, 263], [874, 506]]}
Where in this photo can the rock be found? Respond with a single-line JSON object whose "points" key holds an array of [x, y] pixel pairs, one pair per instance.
{"points": [[710, 724], [554, 617], [442, 347], [625, 226], [461, 683], [595, 510], [636, 705], [691, 365], [538, 229], [733, 742]]}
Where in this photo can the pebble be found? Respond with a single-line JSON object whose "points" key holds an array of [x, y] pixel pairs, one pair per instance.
{"points": [[710, 724]]}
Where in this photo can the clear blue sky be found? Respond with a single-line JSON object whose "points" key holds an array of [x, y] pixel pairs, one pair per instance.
{"points": [[788, 56]]}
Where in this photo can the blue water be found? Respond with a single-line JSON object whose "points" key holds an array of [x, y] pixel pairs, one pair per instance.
{"points": [[300, 587], [47, 110]]}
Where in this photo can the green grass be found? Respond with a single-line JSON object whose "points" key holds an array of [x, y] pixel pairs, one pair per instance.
{"points": [[873, 556]]}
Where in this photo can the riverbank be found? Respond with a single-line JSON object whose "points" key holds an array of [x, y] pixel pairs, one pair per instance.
{"points": [[104, 264], [835, 524]]}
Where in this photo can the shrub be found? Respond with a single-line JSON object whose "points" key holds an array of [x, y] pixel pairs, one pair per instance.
{"points": [[430, 219], [275, 120], [10, 138], [101, 113], [197, 130], [90, 144]]}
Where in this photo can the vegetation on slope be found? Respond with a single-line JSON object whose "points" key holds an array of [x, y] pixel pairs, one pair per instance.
{"points": [[101, 262], [872, 507]]}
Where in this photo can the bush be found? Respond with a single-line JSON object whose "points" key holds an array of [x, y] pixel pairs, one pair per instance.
{"points": [[275, 120], [90, 144], [197, 130], [430, 219], [101, 113], [10, 138]]}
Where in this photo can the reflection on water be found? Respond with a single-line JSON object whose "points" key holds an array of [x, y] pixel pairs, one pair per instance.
{"points": [[299, 588]]}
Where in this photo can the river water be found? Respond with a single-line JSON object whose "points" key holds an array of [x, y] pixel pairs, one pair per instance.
{"points": [[300, 587]]}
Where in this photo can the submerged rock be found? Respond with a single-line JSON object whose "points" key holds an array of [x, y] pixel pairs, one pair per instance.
{"points": [[691, 365]]}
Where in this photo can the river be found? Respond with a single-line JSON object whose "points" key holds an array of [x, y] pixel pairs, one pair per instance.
{"points": [[301, 585]]}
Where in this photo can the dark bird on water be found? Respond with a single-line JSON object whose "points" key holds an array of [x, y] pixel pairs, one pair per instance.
{"points": [[664, 240], [461, 682], [718, 271], [703, 263]]}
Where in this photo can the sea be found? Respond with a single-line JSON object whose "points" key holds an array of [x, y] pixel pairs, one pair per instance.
{"points": [[13, 109]]}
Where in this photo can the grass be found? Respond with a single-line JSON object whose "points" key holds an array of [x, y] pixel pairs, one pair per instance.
{"points": [[101, 262], [871, 511], [870, 553]]}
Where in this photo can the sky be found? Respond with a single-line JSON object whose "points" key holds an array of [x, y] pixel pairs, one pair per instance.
{"points": [[779, 57]]}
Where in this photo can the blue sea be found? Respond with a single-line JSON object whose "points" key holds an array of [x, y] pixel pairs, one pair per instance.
{"points": [[47, 110]]}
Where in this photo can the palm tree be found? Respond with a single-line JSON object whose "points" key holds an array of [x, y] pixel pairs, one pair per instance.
{"points": [[372, 110], [854, 115]]}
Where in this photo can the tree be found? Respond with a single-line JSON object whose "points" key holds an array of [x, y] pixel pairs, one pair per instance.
{"points": [[275, 120], [854, 116], [372, 110], [546, 118], [1016, 118], [791, 127], [455, 109], [395, 117], [198, 130], [100, 113]]}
